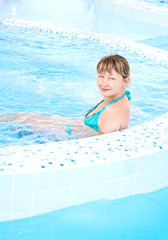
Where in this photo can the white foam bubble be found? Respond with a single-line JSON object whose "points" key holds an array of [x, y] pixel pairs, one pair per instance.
{"points": [[157, 55]]}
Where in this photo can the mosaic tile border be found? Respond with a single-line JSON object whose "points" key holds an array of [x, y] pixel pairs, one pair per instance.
{"points": [[146, 138]]}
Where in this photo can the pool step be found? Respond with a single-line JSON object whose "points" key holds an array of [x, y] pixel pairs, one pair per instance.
{"points": [[159, 42]]}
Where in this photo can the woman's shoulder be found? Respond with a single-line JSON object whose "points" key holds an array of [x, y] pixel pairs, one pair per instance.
{"points": [[115, 117], [120, 107]]}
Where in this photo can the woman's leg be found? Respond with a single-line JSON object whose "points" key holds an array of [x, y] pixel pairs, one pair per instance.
{"points": [[65, 127]]}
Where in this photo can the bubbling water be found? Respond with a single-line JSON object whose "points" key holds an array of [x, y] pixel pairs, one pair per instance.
{"points": [[52, 71]]}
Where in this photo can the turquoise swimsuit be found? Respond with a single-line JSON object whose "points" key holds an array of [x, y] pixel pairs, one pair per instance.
{"points": [[92, 120]]}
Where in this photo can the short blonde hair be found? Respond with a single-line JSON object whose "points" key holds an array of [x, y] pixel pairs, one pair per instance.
{"points": [[119, 63]]}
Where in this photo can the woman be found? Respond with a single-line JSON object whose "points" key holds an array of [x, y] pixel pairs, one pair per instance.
{"points": [[111, 114]]}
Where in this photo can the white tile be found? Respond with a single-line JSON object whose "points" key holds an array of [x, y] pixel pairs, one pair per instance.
{"points": [[112, 189], [20, 215], [164, 176], [22, 202], [61, 198], [42, 201], [6, 184], [115, 170], [23, 183], [81, 176], [63, 178], [154, 178], [127, 186], [98, 174], [79, 195], [130, 167], [96, 192], [5, 204], [5, 217], [43, 181], [141, 183]]}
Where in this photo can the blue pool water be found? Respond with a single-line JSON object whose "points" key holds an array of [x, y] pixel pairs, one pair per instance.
{"points": [[143, 216], [48, 72], [42, 70]]}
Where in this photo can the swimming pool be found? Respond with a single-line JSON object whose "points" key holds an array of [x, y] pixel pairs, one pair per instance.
{"points": [[40, 178], [46, 85]]}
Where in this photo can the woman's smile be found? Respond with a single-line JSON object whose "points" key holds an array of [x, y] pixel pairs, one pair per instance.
{"points": [[105, 89]]}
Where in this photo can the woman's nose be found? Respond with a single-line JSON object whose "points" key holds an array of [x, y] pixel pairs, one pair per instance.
{"points": [[105, 80]]}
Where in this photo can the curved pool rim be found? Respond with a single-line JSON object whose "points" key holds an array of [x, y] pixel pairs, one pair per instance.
{"points": [[36, 179], [141, 11]]}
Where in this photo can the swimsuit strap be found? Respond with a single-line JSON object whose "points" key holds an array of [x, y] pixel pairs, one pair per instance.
{"points": [[113, 101], [127, 93]]}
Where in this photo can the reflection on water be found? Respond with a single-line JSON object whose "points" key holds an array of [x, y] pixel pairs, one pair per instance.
{"points": [[142, 216], [80, 14], [53, 11]]}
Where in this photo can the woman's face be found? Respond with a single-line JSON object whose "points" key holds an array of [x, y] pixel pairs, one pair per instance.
{"points": [[111, 84]]}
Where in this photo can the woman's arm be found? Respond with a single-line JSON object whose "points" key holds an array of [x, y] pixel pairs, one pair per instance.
{"points": [[65, 127]]}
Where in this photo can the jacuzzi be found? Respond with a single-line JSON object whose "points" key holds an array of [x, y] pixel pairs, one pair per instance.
{"points": [[40, 178]]}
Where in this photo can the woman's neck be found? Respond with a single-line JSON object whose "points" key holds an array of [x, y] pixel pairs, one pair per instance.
{"points": [[111, 98]]}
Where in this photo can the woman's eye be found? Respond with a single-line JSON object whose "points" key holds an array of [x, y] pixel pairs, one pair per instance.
{"points": [[100, 76], [111, 78]]}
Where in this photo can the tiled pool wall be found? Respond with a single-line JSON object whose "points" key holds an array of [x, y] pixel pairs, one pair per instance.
{"points": [[41, 178], [138, 10]]}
